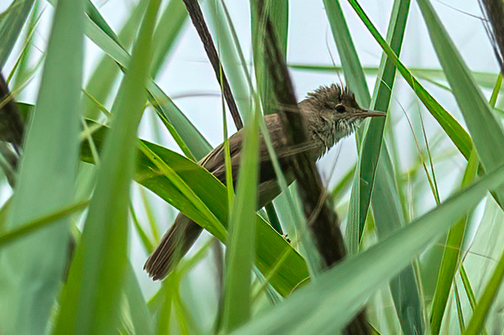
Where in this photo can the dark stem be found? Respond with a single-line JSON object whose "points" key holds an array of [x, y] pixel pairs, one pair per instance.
{"points": [[323, 222], [494, 25], [194, 10]]}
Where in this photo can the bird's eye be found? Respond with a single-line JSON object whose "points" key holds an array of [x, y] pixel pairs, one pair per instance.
{"points": [[340, 109]]}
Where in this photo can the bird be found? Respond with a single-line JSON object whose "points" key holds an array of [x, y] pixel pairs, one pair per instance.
{"points": [[330, 114]]}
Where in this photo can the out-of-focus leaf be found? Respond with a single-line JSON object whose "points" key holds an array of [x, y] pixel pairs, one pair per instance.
{"points": [[90, 301], [33, 266], [11, 23], [327, 304]]}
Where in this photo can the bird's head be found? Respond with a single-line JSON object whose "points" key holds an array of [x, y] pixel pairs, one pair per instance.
{"points": [[333, 113], [337, 105]]}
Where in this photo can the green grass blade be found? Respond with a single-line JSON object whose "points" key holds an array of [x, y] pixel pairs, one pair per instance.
{"points": [[231, 56], [103, 78], [485, 302], [278, 12], [452, 128], [138, 311], [389, 217], [451, 255], [354, 75], [46, 179], [91, 297], [484, 79], [164, 106], [11, 24], [240, 244], [42, 222], [24, 70], [486, 132], [327, 304], [377, 169], [169, 25]]}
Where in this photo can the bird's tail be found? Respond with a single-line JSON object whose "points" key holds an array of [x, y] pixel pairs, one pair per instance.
{"points": [[174, 245]]}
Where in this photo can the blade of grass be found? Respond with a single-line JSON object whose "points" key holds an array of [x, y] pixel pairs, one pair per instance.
{"points": [[169, 25], [278, 11], [104, 76], [231, 56], [46, 178], [484, 79], [354, 75], [451, 255], [452, 128], [327, 304], [95, 280], [377, 169], [42, 222], [146, 242], [486, 132], [11, 24], [138, 311], [240, 244], [485, 301]]}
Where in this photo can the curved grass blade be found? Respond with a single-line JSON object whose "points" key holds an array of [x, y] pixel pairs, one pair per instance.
{"points": [[103, 78], [378, 184], [327, 304], [40, 223], [11, 24], [46, 179], [90, 299], [486, 132], [453, 129]]}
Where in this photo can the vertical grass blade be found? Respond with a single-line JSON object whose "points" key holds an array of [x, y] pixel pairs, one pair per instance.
{"points": [[453, 129], [104, 76], [11, 23], [32, 268], [376, 172], [485, 130], [278, 11], [164, 106], [90, 299], [231, 56], [241, 238], [354, 75], [356, 81], [451, 255], [169, 25], [328, 303]]}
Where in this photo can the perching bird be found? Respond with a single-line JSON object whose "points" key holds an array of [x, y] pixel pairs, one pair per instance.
{"points": [[330, 114]]}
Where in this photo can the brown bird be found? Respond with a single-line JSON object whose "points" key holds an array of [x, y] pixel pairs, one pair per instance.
{"points": [[330, 114]]}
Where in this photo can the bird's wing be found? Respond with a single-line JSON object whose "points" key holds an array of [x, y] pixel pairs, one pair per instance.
{"points": [[214, 161]]}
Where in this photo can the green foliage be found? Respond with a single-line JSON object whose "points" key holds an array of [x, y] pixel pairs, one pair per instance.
{"points": [[263, 283]]}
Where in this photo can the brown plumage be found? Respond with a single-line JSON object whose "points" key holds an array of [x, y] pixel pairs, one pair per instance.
{"points": [[330, 113]]}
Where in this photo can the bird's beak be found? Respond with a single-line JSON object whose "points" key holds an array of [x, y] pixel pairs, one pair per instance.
{"points": [[370, 113]]}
